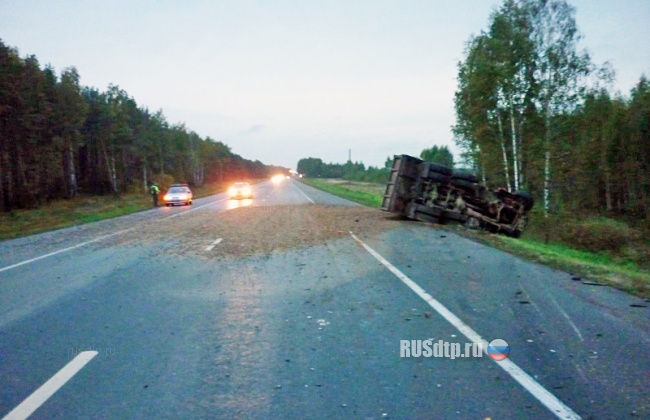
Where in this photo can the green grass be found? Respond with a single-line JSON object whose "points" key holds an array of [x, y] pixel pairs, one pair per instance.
{"points": [[610, 267], [601, 267], [82, 209], [365, 193]]}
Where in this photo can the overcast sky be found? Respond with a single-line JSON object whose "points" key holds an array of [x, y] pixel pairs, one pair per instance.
{"points": [[281, 80]]}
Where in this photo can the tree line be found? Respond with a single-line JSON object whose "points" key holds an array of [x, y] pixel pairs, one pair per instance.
{"points": [[316, 168], [357, 171], [533, 112], [59, 139]]}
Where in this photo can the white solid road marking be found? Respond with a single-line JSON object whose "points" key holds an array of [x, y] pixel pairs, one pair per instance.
{"points": [[303, 193], [42, 394], [9, 267], [100, 238], [213, 244], [549, 400]]}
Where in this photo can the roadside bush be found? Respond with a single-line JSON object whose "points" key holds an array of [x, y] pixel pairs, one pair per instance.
{"points": [[597, 234], [637, 253]]}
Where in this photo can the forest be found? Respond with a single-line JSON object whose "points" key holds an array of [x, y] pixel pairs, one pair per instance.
{"points": [[59, 139], [534, 113]]}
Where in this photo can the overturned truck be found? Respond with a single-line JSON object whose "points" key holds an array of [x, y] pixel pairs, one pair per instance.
{"points": [[434, 193]]}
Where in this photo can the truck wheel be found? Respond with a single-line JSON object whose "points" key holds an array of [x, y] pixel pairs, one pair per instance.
{"points": [[464, 175], [526, 199], [465, 184], [438, 178], [429, 168]]}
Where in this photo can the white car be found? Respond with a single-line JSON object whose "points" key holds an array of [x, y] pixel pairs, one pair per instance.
{"points": [[178, 194], [240, 190]]}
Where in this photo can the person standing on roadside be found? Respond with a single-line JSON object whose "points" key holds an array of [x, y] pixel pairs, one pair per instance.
{"points": [[154, 193]]}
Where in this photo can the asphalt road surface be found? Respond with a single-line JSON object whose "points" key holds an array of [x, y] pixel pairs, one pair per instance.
{"points": [[274, 310]]}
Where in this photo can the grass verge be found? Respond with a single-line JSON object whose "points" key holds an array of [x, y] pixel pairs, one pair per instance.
{"points": [[600, 267], [83, 209], [365, 193]]}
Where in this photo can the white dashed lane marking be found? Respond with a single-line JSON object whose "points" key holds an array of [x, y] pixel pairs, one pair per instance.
{"points": [[213, 244], [42, 394]]}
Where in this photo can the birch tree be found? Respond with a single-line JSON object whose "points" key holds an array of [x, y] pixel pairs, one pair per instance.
{"points": [[511, 53], [560, 69]]}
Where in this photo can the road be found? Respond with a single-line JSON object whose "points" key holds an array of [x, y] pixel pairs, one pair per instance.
{"points": [[303, 320]]}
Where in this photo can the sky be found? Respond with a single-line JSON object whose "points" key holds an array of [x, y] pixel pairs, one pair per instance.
{"points": [[281, 80]]}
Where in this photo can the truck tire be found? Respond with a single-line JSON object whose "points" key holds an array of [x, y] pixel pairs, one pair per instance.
{"points": [[464, 175], [464, 184], [438, 178], [428, 168], [526, 199]]}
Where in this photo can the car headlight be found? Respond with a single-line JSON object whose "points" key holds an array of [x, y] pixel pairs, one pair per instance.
{"points": [[167, 197], [246, 191], [232, 191]]}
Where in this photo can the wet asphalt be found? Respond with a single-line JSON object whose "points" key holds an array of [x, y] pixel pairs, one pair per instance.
{"points": [[307, 333]]}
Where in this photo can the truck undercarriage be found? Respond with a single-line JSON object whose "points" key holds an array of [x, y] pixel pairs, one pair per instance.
{"points": [[434, 193]]}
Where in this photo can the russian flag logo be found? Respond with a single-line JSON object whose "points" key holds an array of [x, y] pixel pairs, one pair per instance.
{"points": [[498, 349]]}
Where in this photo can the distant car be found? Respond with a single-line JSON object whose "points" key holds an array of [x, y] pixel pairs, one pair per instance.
{"points": [[178, 194], [240, 190], [277, 179]]}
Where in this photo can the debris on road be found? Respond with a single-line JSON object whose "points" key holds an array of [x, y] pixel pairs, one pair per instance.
{"points": [[433, 193], [248, 231], [593, 283]]}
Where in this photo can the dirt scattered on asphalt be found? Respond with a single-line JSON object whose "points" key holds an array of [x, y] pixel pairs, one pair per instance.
{"points": [[258, 230]]}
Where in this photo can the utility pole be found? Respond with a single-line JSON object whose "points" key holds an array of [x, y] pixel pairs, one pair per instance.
{"points": [[349, 165]]}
